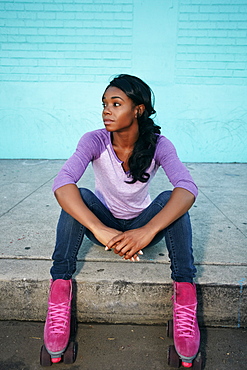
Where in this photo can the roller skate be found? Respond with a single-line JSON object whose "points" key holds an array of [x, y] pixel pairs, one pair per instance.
{"points": [[184, 328], [57, 328]]}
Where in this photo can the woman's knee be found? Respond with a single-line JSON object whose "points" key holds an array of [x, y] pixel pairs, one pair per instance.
{"points": [[85, 192], [87, 195], [163, 197]]}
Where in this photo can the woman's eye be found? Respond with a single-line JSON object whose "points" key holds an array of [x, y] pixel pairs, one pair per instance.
{"points": [[114, 104]]}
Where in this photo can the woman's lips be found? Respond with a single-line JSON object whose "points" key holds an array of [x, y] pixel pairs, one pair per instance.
{"points": [[108, 121]]}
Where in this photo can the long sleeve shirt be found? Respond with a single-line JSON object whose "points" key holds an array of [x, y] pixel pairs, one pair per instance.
{"points": [[124, 200]]}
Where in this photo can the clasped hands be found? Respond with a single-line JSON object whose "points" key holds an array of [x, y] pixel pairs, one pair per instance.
{"points": [[129, 244]]}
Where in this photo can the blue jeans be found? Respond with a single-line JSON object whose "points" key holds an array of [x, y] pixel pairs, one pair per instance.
{"points": [[70, 233]]}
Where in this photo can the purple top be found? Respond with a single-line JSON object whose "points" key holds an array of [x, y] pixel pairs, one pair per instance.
{"points": [[124, 200]]}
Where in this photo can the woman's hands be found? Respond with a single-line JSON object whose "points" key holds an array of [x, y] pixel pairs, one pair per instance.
{"points": [[114, 239], [130, 243], [104, 234]]}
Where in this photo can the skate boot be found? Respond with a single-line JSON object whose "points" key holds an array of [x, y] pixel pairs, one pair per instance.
{"points": [[57, 326], [186, 332]]}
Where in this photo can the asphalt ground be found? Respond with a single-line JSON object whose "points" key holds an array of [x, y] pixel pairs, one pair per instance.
{"points": [[119, 347]]}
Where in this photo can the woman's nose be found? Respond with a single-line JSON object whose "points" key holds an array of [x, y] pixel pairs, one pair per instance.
{"points": [[106, 110]]}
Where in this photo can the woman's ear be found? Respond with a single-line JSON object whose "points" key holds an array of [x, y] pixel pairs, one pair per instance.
{"points": [[140, 110]]}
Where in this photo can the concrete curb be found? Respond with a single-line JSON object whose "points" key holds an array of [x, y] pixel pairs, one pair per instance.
{"points": [[112, 293]]}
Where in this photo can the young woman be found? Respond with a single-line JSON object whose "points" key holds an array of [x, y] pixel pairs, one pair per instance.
{"points": [[120, 215]]}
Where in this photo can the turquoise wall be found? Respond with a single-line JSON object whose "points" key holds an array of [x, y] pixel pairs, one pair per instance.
{"points": [[57, 56]]}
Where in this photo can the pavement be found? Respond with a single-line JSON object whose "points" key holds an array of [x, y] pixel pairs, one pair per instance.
{"points": [[119, 347], [108, 289]]}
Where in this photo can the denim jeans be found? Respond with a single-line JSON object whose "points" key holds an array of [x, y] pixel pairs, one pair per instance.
{"points": [[70, 233]]}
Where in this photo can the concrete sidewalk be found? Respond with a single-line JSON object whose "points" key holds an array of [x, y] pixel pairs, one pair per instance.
{"points": [[109, 289]]}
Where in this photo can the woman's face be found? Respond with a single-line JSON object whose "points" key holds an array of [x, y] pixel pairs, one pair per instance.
{"points": [[119, 112]]}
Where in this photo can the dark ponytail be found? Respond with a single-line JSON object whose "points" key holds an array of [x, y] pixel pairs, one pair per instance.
{"points": [[140, 93]]}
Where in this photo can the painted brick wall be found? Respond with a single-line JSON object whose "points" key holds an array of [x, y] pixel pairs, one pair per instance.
{"points": [[57, 56], [212, 42], [65, 40]]}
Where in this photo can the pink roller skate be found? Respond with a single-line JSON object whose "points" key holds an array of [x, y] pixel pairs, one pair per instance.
{"points": [[57, 326], [184, 328]]}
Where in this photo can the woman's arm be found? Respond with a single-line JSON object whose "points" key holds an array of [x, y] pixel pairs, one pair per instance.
{"points": [[130, 242], [69, 198]]}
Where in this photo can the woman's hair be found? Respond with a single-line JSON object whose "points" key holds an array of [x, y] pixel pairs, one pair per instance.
{"points": [[140, 93]]}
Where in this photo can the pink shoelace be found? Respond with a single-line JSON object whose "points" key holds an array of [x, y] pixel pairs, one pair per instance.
{"points": [[59, 317], [185, 317]]}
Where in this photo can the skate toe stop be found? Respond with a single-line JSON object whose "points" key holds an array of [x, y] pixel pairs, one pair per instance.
{"points": [[56, 360], [186, 364]]}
